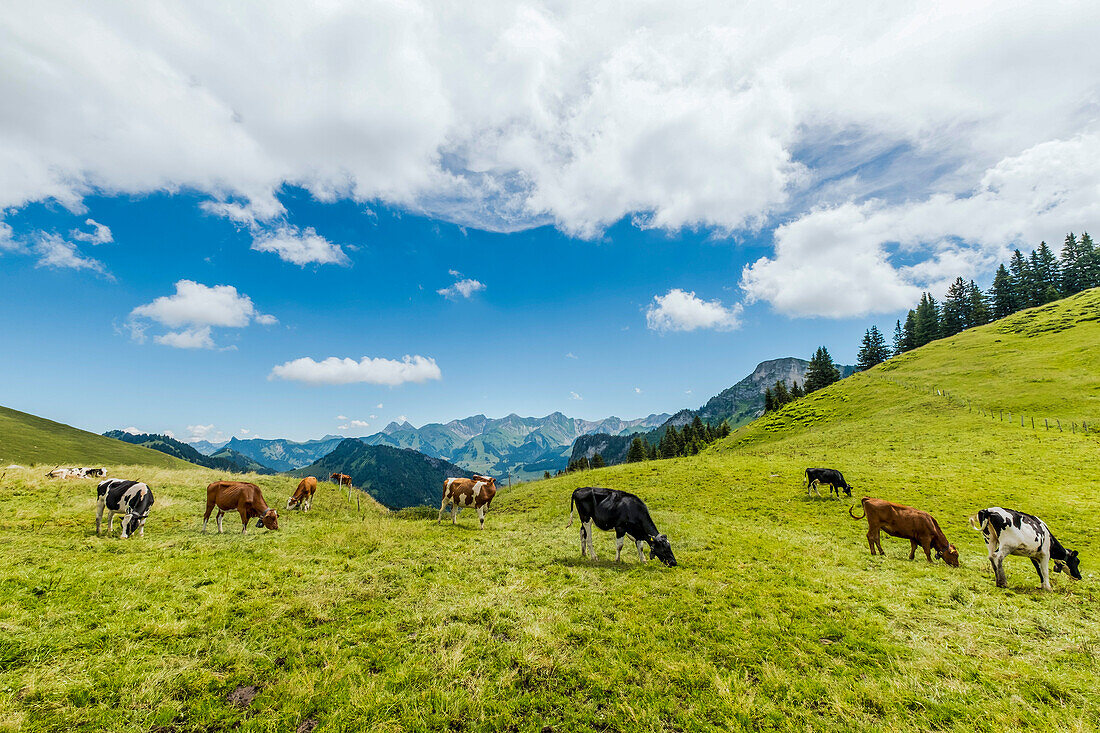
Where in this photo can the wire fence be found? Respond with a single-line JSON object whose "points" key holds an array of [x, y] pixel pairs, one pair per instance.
{"points": [[1033, 422]]}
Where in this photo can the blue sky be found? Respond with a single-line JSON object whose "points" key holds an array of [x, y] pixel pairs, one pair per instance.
{"points": [[594, 208], [557, 316]]}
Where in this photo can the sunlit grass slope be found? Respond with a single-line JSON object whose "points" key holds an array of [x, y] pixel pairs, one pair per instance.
{"points": [[27, 439], [777, 618]]}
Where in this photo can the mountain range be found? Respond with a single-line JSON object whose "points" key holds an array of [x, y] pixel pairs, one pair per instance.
{"points": [[737, 405], [225, 459]]}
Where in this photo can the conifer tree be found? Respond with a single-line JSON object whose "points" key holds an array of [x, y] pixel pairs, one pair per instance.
{"points": [[1069, 265], [724, 429], [597, 461], [781, 393], [821, 372], [927, 321], [769, 400], [652, 453], [797, 392], [637, 452], [899, 340], [977, 313], [953, 311], [909, 339], [1002, 295], [1022, 279], [1090, 262], [1044, 268], [872, 350], [546, 474]]}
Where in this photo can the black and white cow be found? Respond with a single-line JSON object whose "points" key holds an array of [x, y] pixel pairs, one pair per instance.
{"points": [[623, 512], [129, 498], [1009, 532], [830, 476]]}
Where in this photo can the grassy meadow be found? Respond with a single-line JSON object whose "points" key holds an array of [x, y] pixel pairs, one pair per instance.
{"points": [[777, 617]]}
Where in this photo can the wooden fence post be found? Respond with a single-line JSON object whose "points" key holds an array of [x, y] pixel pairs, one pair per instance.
{"points": [[1046, 424]]}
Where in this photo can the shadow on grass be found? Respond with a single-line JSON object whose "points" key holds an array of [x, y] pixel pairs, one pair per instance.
{"points": [[608, 563]]}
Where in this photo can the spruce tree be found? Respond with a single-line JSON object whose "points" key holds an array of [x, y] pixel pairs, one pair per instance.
{"points": [[953, 311], [651, 451], [1090, 262], [637, 452], [977, 306], [1044, 266], [782, 394], [872, 350], [724, 429], [797, 392], [821, 372], [546, 474], [597, 461], [1002, 295], [899, 340], [1022, 278], [909, 339], [927, 321], [1069, 265], [769, 400]]}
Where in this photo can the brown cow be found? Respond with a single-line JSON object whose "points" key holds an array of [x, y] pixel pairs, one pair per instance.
{"points": [[303, 495], [340, 479], [245, 498], [907, 523], [466, 492]]}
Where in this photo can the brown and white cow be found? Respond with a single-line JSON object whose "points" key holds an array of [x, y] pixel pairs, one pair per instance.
{"points": [[463, 493], [907, 523], [340, 479], [303, 495], [245, 498]]}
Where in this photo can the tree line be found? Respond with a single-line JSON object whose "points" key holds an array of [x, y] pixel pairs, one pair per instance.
{"points": [[1025, 282]]}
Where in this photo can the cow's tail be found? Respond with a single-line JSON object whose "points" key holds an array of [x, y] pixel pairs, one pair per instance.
{"points": [[571, 499], [977, 526], [853, 516]]}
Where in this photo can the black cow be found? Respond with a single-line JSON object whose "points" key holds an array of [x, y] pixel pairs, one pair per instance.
{"points": [[830, 476], [624, 513], [130, 498]]}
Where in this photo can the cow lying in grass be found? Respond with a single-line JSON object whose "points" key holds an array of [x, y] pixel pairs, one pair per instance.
{"points": [[611, 509], [303, 495], [907, 523], [1009, 532], [132, 499], [245, 498]]}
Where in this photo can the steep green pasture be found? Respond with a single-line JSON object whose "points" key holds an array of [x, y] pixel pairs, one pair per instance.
{"points": [[27, 439]]}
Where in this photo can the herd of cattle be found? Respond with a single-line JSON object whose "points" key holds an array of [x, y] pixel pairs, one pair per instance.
{"points": [[1006, 531]]}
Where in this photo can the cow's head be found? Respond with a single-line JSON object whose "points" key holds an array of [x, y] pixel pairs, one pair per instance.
{"points": [[660, 548], [293, 502], [950, 556], [270, 519], [1071, 565], [848, 490], [133, 523]]}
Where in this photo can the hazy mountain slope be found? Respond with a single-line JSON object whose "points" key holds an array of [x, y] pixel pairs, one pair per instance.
{"points": [[27, 439], [395, 477], [281, 454], [223, 460]]}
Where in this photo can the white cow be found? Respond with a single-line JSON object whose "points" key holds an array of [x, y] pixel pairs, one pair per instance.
{"points": [[1009, 532]]}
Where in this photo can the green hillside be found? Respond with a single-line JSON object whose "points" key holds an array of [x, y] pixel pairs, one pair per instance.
{"points": [[27, 439], [777, 617], [225, 459]]}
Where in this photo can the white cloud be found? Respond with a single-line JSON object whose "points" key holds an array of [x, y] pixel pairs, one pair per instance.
{"points": [[191, 338], [132, 430], [679, 310], [245, 431], [341, 417], [100, 234], [378, 406], [637, 390], [194, 309], [570, 355], [204, 432], [402, 419], [575, 396], [334, 370], [360, 424], [726, 115], [461, 289], [7, 242], [840, 261], [53, 251], [300, 247], [373, 417]]}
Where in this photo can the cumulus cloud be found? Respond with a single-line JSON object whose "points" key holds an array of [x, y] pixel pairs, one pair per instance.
{"points": [[723, 115], [334, 370], [848, 260], [679, 310], [570, 355], [193, 310], [575, 396], [300, 247], [341, 418], [100, 234], [204, 432], [132, 430], [463, 288], [360, 424], [637, 390]]}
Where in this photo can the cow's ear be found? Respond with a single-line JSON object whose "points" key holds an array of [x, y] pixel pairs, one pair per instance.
{"points": [[1073, 553]]}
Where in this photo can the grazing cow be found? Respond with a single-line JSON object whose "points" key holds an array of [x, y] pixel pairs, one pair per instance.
{"points": [[1009, 532], [830, 476], [303, 495], [129, 498], [907, 523], [245, 498], [624, 513], [467, 492], [340, 479]]}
